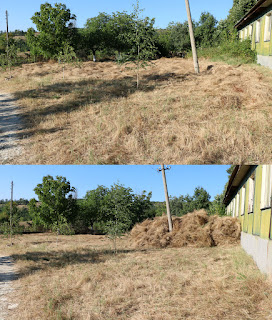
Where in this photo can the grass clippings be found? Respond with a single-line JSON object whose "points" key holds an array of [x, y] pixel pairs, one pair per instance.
{"points": [[80, 278], [96, 115], [195, 229]]}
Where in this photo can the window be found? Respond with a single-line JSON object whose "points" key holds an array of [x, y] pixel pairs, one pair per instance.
{"points": [[237, 205], [267, 27], [245, 33], [258, 31], [243, 194], [250, 28], [266, 191], [251, 185]]}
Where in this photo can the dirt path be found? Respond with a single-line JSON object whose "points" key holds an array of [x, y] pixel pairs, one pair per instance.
{"points": [[10, 125], [7, 275]]}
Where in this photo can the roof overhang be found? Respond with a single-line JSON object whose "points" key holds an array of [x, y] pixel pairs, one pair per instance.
{"points": [[253, 13], [237, 176]]}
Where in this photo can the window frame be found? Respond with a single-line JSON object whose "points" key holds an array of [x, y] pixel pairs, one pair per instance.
{"points": [[258, 31], [267, 27], [266, 187]]}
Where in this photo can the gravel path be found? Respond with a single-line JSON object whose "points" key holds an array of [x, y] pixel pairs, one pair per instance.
{"points": [[7, 275], [10, 125]]}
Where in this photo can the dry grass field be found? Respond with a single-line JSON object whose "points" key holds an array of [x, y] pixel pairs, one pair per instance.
{"points": [[80, 278], [96, 115]]}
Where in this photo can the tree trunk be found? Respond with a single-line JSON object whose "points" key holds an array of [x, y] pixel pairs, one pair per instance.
{"points": [[94, 57]]}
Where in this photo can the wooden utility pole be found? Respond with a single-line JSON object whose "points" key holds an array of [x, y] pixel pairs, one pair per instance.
{"points": [[11, 207], [7, 34], [166, 197], [192, 37]]}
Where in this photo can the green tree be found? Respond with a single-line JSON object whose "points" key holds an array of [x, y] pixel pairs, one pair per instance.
{"points": [[201, 198], [206, 30], [141, 42], [57, 204], [55, 28], [238, 10], [179, 37], [32, 42], [117, 211], [92, 207], [97, 33], [183, 204], [217, 206], [67, 56]]}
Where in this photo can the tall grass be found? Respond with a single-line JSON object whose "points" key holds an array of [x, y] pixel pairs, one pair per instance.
{"points": [[79, 278], [232, 52]]}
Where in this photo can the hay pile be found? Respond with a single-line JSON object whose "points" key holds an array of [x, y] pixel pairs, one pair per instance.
{"points": [[195, 229]]}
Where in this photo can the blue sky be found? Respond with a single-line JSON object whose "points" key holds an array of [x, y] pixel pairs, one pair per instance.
{"points": [[181, 179], [163, 11]]}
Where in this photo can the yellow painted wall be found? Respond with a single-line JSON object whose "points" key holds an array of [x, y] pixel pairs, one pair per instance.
{"points": [[262, 47], [257, 202], [246, 216], [258, 222], [265, 225]]}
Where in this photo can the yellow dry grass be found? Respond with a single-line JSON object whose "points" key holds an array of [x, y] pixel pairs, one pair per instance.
{"points": [[96, 115], [195, 229], [79, 278]]}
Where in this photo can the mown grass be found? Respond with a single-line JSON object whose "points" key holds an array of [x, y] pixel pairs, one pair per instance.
{"points": [[96, 115], [79, 277]]}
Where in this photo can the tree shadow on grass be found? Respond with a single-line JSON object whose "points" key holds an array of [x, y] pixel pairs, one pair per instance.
{"points": [[59, 259], [72, 96], [69, 96]]}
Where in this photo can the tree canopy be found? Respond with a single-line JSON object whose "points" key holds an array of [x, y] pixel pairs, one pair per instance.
{"points": [[57, 201], [55, 26]]}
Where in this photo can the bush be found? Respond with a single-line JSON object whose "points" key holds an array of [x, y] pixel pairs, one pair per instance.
{"points": [[64, 228], [231, 52]]}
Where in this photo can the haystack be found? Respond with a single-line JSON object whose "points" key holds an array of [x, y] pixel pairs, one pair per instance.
{"points": [[195, 229]]}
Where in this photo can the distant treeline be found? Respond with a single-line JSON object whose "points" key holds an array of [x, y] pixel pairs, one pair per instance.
{"points": [[113, 35], [58, 208]]}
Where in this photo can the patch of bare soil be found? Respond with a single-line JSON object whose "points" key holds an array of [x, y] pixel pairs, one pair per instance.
{"points": [[195, 229], [10, 126], [7, 275]]}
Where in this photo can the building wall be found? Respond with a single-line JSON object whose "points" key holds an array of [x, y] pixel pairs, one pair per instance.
{"points": [[263, 46], [256, 224], [256, 221]]}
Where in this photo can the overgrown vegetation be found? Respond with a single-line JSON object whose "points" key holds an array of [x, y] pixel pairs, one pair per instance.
{"points": [[127, 36], [112, 211]]}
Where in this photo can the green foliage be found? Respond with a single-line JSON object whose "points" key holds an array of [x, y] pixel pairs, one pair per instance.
{"points": [[232, 52], [179, 37], [62, 227], [33, 43], [216, 206], [117, 209], [56, 202], [184, 204], [97, 35], [55, 30], [67, 56], [101, 206], [140, 40], [91, 208], [9, 223], [206, 30], [10, 58]]}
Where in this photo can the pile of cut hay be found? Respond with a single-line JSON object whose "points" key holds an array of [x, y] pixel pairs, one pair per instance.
{"points": [[195, 229]]}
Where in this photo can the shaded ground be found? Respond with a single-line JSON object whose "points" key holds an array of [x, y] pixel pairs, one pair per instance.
{"points": [[79, 277], [10, 127], [95, 115], [7, 276]]}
